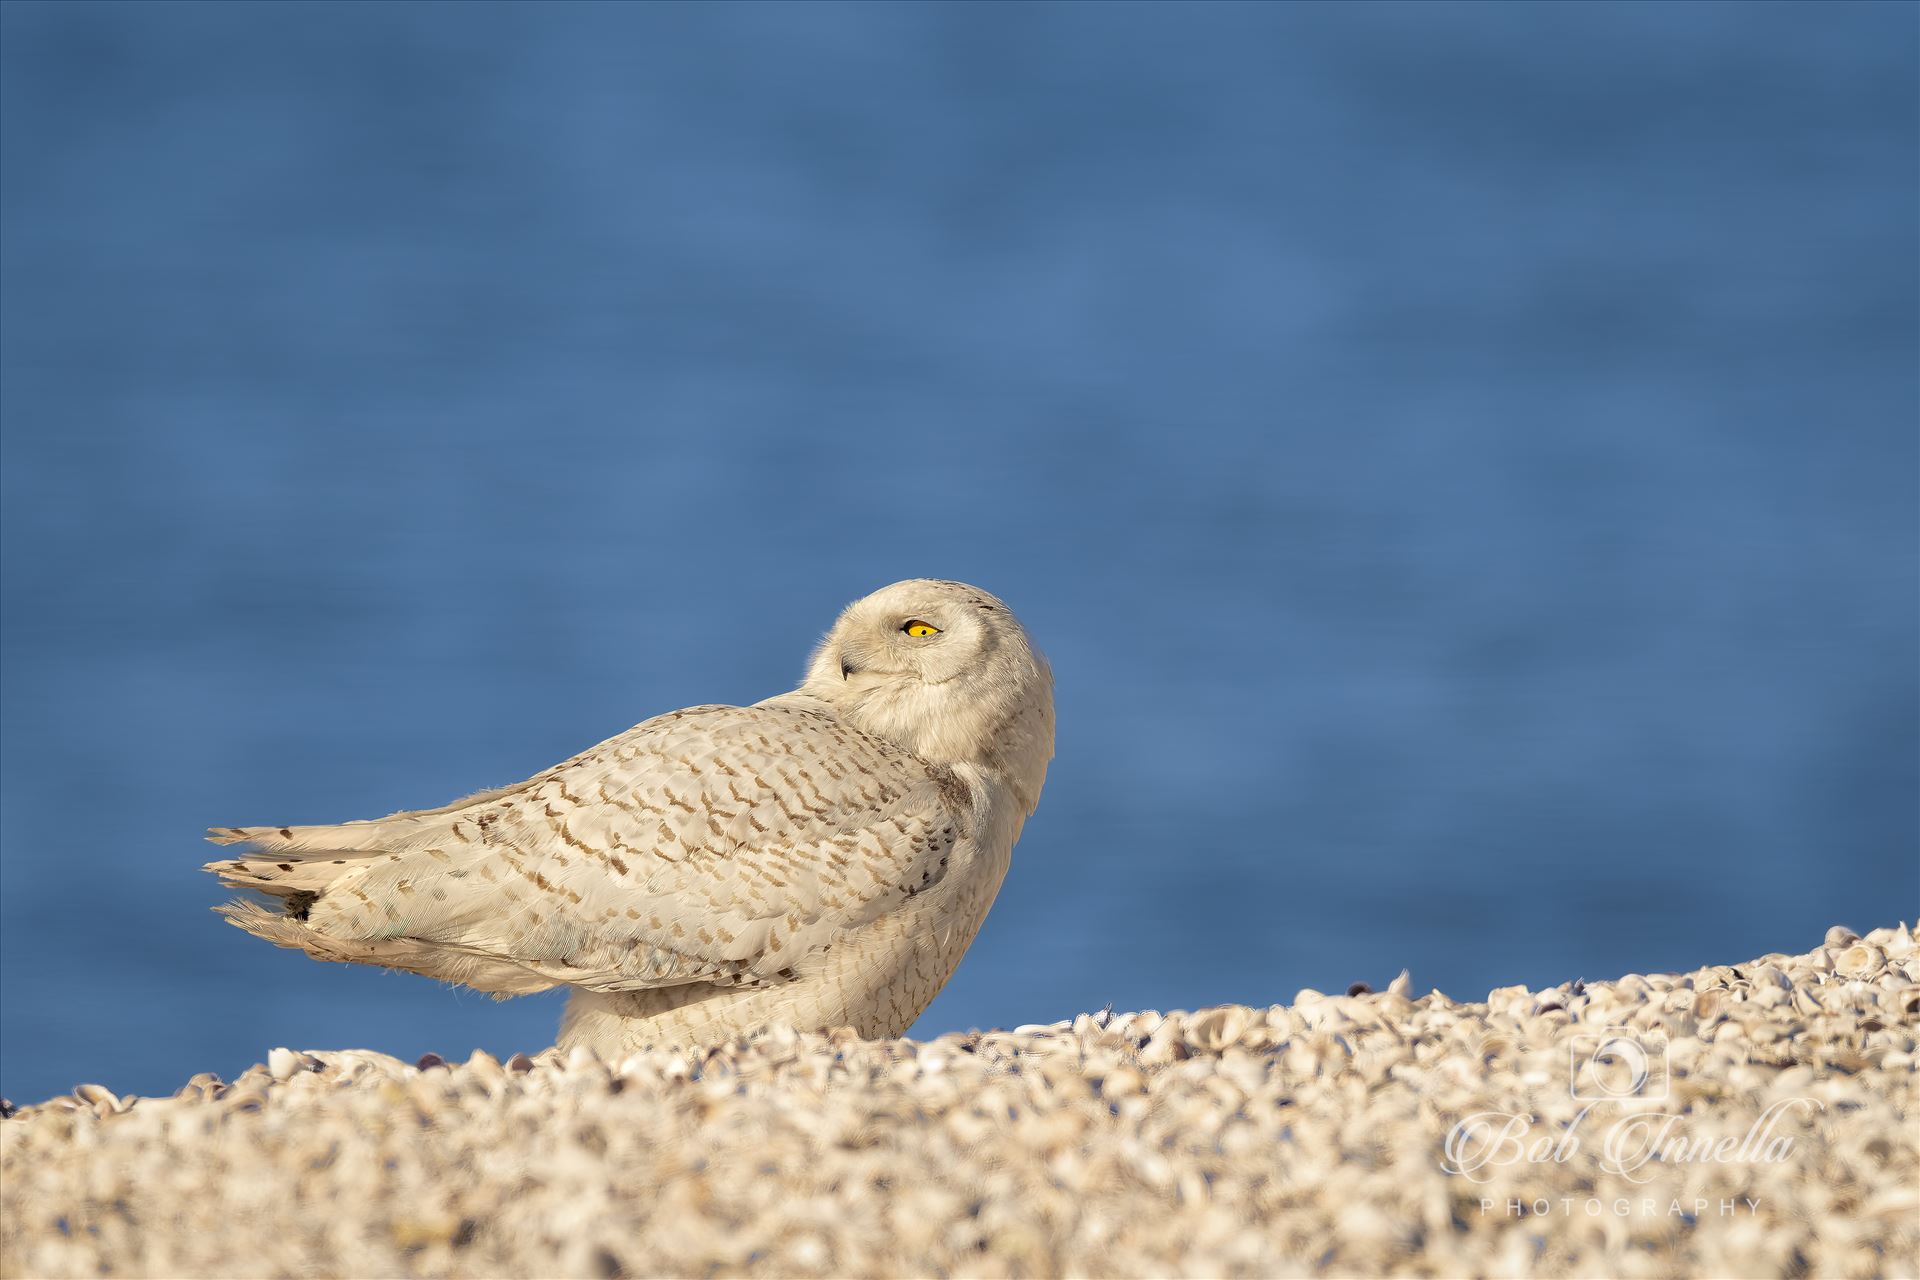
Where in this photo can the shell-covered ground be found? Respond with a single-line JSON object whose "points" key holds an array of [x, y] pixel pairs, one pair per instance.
{"points": [[1755, 1119]]}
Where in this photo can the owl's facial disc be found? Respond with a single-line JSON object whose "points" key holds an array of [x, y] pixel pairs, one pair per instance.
{"points": [[945, 670], [921, 640]]}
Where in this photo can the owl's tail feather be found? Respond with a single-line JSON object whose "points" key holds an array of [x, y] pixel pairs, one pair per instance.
{"points": [[305, 867], [500, 978], [289, 861], [307, 841]]}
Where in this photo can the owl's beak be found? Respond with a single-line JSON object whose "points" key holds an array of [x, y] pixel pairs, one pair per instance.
{"points": [[846, 667]]}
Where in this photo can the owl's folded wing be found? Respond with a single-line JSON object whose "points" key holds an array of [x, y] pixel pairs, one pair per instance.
{"points": [[716, 844]]}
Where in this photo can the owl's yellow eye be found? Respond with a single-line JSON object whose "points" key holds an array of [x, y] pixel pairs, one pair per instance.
{"points": [[920, 630]]}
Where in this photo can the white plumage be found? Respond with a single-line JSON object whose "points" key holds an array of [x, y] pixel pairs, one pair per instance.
{"points": [[822, 858]]}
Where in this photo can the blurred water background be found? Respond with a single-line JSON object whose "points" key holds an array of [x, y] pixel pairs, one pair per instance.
{"points": [[1460, 459]]}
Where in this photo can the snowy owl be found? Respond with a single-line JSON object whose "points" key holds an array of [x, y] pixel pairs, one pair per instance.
{"points": [[822, 858]]}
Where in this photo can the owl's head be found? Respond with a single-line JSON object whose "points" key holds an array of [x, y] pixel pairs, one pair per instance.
{"points": [[947, 671]]}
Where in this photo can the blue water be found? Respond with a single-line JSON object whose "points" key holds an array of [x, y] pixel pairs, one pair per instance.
{"points": [[1460, 460]]}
